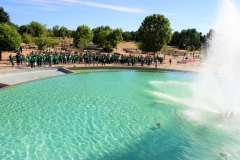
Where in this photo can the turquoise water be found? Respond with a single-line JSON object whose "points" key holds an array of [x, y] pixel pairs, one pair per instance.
{"points": [[112, 115]]}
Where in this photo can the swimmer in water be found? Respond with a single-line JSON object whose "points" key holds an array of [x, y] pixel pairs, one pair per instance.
{"points": [[158, 124]]}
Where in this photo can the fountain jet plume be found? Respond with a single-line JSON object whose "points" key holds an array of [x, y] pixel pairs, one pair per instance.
{"points": [[217, 85]]}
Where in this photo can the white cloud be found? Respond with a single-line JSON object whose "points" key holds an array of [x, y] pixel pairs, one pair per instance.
{"points": [[40, 2], [111, 7], [57, 4], [45, 5]]}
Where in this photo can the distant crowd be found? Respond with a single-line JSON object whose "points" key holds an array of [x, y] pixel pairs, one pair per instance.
{"points": [[38, 59]]}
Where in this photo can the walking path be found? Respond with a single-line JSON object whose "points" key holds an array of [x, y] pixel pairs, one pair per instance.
{"points": [[16, 76]]}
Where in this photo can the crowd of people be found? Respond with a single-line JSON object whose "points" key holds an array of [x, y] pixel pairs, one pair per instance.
{"points": [[38, 59], [19, 58]]}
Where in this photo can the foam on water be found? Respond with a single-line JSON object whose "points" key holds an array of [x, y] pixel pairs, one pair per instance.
{"points": [[161, 83], [173, 99]]}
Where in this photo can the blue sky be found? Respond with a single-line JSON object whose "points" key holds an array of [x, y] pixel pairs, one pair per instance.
{"points": [[125, 14]]}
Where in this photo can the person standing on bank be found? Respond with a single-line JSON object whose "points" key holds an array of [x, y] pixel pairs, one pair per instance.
{"points": [[11, 60], [18, 58], [170, 61], [20, 48], [21, 58]]}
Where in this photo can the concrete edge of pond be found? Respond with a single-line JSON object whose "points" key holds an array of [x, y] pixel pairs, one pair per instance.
{"points": [[72, 70]]}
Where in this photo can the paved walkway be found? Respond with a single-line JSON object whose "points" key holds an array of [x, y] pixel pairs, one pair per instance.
{"points": [[16, 76]]}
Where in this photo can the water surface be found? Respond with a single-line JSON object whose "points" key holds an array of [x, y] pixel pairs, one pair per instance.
{"points": [[111, 115]]}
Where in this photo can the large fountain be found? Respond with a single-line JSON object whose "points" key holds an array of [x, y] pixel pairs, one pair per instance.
{"points": [[217, 87]]}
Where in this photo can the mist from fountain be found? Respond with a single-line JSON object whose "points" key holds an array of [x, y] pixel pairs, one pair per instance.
{"points": [[217, 87]]}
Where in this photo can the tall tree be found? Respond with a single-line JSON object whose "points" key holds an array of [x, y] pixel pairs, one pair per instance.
{"points": [[134, 36], [69, 33], [43, 42], [82, 36], [72, 33], [50, 33], [26, 38], [127, 36], [4, 17], [9, 38], [175, 39], [56, 31], [154, 33], [115, 37], [189, 37], [37, 29], [63, 31], [14, 25], [100, 35], [24, 29]]}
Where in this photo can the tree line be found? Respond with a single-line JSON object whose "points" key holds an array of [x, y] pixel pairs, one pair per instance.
{"points": [[153, 35]]}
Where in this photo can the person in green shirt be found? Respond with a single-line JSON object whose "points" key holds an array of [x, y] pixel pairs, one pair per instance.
{"points": [[96, 59], [90, 59], [38, 60], [75, 58], [87, 60], [103, 60], [11, 59], [26, 59], [69, 58], [21, 58], [41, 60], [50, 60], [31, 60], [108, 59]]}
